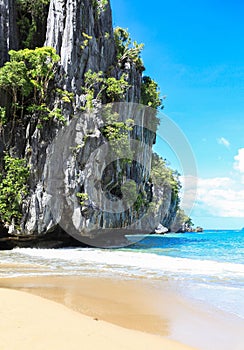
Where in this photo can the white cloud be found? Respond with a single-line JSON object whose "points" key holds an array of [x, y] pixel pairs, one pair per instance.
{"points": [[219, 196], [239, 161], [223, 141]]}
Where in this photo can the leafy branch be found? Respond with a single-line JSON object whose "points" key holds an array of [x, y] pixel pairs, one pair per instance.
{"points": [[150, 94], [97, 86], [126, 49], [27, 78]]}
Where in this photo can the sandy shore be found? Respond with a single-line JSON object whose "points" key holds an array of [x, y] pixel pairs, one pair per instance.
{"points": [[108, 305], [30, 322]]}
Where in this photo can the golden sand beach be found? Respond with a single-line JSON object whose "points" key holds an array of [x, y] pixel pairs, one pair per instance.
{"points": [[30, 322], [102, 313]]}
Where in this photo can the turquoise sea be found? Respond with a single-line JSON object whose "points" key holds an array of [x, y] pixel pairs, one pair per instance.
{"points": [[207, 266]]}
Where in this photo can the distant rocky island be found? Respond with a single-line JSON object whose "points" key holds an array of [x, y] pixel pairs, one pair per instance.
{"points": [[191, 229]]}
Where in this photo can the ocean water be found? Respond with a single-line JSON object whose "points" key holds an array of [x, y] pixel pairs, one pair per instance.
{"points": [[207, 266]]}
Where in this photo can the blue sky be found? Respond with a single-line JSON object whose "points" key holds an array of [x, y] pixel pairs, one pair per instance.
{"points": [[195, 51]]}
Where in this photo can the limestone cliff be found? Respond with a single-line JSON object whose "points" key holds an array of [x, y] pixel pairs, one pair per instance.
{"points": [[61, 157], [8, 29], [69, 24]]}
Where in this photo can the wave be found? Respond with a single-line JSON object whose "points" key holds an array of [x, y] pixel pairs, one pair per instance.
{"points": [[218, 283], [132, 263]]}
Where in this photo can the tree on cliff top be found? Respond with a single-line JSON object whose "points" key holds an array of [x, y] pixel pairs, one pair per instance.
{"points": [[126, 49]]}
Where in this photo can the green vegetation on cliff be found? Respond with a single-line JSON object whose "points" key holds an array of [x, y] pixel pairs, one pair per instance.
{"points": [[100, 6], [150, 94], [26, 80], [34, 96], [31, 22], [13, 189], [126, 49], [182, 221], [163, 175], [97, 87]]}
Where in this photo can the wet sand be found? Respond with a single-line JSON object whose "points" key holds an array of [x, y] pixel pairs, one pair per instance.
{"points": [[30, 322], [138, 305]]}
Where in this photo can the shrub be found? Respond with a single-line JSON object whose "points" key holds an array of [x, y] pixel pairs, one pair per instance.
{"points": [[126, 49], [150, 94], [13, 189]]}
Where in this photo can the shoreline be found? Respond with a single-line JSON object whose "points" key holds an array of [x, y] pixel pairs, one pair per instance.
{"points": [[31, 322], [137, 305]]}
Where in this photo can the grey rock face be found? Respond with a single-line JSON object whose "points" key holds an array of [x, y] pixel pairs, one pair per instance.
{"points": [[83, 37], [8, 31]]}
